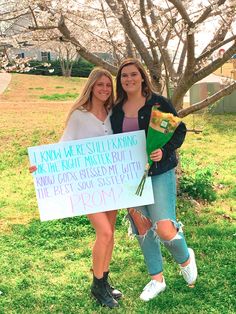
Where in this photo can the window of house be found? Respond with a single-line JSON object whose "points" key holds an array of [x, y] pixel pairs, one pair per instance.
{"points": [[45, 56], [21, 55]]}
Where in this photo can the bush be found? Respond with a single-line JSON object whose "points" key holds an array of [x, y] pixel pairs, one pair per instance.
{"points": [[199, 185], [81, 68]]}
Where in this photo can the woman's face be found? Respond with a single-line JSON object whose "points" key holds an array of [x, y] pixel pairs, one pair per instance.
{"points": [[131, 79], [102, 89]]}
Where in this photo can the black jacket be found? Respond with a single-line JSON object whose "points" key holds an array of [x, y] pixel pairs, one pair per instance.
{"points": [[169, 159]]}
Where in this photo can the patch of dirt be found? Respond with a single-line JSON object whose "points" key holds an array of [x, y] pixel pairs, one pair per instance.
{"points": [[23, 112], [25, 87]]}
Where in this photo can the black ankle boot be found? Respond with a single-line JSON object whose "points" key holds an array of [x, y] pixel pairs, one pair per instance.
{"points": [[101, 294], [114, 292]]}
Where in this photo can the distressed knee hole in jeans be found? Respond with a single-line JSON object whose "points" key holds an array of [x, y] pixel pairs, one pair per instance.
{"points": [[167, 230], [139, 223], [149, 240], [174, 241]]}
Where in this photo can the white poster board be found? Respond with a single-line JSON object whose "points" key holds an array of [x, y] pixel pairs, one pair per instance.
{"points": [[90, 175]]}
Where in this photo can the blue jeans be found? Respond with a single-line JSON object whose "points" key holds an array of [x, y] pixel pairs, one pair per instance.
{"points": [[164, 190]]}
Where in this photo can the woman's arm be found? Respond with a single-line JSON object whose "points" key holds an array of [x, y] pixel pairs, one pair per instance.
{"points": [[176, 141], [179, 135]]}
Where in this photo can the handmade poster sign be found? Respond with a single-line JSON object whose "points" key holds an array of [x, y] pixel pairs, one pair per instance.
{"points": [[90, 175]]}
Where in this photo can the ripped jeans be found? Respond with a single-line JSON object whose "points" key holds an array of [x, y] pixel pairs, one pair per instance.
{"points": [[164, 190]]}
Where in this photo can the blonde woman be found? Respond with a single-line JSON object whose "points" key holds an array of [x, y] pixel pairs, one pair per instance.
{"points": [[90, 117]]}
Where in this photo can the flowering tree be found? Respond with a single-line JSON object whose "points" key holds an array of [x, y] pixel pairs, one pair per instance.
{"points": [[14, 64], [67, 57], [177, 40]]}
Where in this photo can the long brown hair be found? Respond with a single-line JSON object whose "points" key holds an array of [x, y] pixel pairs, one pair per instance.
{"points": [[84, 101], [147, 88]]}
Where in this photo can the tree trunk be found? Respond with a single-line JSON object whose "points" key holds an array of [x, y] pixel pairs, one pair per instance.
{"points": [[66, 72]]}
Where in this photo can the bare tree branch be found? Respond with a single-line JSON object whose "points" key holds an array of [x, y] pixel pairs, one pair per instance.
{"points": [[13, 18], [114, 48], [208, 11], [82, 50], [33, 15], [180, 7], [148, 31], [129, 47], [42, 28], [213, 66], [131, 31], [161, 43], [208, 101], [209, 52]]}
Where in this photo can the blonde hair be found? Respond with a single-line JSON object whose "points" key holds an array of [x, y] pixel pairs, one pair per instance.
{"points": [[84, 101], [147, 88]]}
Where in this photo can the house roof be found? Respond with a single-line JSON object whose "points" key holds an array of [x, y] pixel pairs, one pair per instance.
{"points": [[212, 78]]}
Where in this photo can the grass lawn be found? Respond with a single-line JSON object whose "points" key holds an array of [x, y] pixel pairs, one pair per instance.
{"points": [[44, 267]]}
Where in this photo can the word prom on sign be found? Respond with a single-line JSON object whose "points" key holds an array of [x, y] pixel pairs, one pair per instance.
{"points": [[90, 175]]}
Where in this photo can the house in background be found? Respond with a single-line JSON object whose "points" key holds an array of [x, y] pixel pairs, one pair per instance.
{"points": [[35, 50], [106, 56], [228, 69], [25, 48], [209, 86], [35, 53]]}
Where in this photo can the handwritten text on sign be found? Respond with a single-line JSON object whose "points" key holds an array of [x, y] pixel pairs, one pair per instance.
{"points": [[90, 175]]}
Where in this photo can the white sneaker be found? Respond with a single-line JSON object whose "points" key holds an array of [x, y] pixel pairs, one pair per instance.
{"points": [[189, 272], [152, 289]]}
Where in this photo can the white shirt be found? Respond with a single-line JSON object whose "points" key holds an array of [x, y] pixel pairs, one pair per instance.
{"points": [[84, 124]]}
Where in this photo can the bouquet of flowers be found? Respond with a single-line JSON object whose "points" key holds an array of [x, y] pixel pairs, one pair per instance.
{"points": [[161, 128]]}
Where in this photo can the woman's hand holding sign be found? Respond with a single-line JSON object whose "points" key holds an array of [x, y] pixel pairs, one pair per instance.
{"points": [[32, 169]]}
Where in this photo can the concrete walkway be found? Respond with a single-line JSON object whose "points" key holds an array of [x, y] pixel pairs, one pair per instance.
{"points": [[5, 79]]}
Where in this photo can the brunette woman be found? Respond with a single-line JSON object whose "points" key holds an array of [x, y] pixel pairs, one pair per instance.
{"points": [[154, 223]]}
